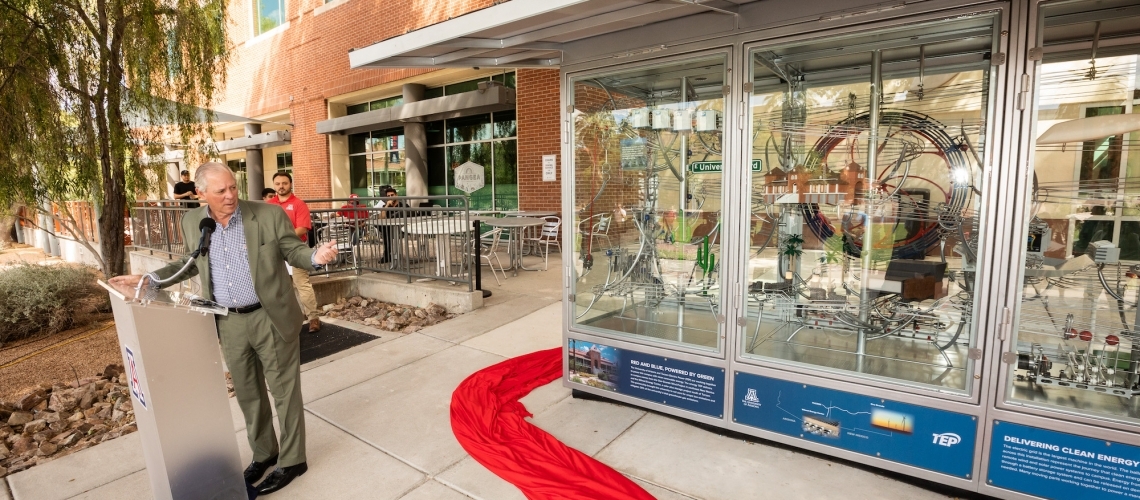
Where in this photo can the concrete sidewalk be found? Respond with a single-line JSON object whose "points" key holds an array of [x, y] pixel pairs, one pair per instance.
{"points": [[378, 427]]}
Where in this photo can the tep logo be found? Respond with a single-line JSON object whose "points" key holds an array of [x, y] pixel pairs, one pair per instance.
{"points": [[947, 439], [751, 400]]}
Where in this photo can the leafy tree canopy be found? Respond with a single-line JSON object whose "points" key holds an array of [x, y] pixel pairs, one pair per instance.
{"points": [[89, 88]]}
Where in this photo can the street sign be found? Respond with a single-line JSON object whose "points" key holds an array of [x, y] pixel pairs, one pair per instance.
{"points": [[469, 177], [712, 167]]}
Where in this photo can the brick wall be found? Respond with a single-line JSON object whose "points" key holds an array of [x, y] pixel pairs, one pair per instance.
{"points": [[300, 67], [539, 134]]}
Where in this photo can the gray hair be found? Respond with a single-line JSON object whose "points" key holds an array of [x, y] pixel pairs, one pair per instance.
{"points": [[204, 171]]}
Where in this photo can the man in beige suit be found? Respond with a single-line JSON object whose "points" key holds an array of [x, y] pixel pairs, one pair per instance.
{"points": [[244, 271]]}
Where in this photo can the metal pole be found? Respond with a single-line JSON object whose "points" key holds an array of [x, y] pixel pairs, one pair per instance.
{"points": [[479, 265], [683, 205], [868, 201]]}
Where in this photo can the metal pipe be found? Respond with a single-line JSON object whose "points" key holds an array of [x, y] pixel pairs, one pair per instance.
{"points": [[871, 176]]}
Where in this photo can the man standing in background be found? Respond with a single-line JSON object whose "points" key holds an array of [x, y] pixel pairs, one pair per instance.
{"points": [[185, 190], [298, 213]]}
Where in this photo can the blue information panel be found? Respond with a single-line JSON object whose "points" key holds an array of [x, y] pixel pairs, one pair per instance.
{"points": [[1052, 464], [937, 440], [680, 384]]}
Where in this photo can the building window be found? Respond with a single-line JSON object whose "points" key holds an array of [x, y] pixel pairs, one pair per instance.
{"points": [[238, 168], [507, 79], [268, 14], [376, 159], [489, 140], [374, 105], [285, 164]]}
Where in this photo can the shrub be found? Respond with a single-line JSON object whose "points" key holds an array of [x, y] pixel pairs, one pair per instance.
{"points": [[47, 299]]}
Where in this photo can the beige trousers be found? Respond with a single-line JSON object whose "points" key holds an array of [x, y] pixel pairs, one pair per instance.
{"points": [[306, 293]]}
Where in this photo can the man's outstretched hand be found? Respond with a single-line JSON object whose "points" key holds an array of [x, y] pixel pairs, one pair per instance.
{"points": [[325, 253]]}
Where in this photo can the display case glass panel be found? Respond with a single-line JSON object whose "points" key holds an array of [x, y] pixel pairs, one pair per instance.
{"points": [[646, 219], [865, 202], [1077, 338]]}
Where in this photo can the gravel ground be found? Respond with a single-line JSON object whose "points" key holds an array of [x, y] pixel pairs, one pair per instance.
{"points": [[86, 356]]}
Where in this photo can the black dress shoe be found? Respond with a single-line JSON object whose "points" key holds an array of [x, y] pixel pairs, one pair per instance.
{"points": [[255, 470], [280, 478]]}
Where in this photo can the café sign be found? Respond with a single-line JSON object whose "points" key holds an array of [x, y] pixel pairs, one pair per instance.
{"points": [[469, 177]]}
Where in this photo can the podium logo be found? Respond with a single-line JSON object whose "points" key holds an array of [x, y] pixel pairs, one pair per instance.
{"points": [[947, 439], [751, 400], [136, 387]]}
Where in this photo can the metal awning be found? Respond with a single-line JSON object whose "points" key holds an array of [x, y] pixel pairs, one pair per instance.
{"points": [[255, 141], [489, 98], [525, 33]]}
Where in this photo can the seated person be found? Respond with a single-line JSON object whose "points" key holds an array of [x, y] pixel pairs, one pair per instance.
{"points": [[356, 213]]}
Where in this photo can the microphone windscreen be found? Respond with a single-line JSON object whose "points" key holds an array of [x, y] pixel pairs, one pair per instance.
{"points": [[208, 224]]}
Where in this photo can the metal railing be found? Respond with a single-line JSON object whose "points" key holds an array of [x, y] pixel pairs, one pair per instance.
{"points": [[157, 225], [388, 235]]}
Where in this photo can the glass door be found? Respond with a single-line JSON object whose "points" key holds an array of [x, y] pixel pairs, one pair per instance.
{"points": [[648, 163], [866, 202], [1077, 340]]}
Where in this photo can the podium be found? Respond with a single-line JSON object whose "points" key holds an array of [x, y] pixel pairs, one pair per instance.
{"points": [[170, 350]]}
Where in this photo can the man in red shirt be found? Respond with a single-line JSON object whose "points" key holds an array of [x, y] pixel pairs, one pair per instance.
{"points": [[298, 213]]}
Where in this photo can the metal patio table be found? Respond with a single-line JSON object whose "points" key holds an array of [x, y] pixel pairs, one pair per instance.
{"points": [[515, 226], [440, 229]]}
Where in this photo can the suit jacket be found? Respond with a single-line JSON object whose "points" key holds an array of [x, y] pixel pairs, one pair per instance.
{"points": [[270, 242]]}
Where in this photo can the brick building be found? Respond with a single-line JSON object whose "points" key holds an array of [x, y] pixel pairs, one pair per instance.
{"points": [[290, 72]]}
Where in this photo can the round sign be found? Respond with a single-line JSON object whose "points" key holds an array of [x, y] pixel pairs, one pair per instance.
{"points": [[469, 177]]}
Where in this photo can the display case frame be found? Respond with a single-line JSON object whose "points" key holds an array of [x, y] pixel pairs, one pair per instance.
{"points": [[1010, 132]]}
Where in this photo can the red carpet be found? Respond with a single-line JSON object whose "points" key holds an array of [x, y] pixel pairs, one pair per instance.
{"points": [[487, 419]]}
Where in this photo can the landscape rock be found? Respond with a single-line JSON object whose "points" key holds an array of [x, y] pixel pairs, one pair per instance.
{"points": [[20, 418], [34, 426], [63, 401], [29, 401]]}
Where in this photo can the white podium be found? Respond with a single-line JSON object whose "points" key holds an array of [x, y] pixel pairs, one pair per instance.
{"points": [[178, 389]]}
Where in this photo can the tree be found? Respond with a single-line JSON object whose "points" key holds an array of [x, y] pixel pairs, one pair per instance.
{"points": [[89, 88]]}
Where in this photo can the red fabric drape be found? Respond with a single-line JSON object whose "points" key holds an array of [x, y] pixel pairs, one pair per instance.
{"points": [[487, 419]]}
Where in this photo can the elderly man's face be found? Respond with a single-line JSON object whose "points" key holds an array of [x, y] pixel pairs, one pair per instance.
{"points": [[221, 194]]}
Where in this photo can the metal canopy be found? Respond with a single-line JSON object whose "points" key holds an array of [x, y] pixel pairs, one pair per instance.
{"points": [[525, 33]]}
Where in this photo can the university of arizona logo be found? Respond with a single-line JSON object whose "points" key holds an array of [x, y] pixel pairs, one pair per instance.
{"points": [[751, 400], [136, 386]]}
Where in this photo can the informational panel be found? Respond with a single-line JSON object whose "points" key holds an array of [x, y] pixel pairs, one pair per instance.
{"points": [[1052, 464], [938, 440], [672, 382], [549, 168]]}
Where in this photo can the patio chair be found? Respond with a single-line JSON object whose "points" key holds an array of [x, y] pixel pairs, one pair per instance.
{"points": [[597, 226], [547, 236], [490, 249], [344, 235]]}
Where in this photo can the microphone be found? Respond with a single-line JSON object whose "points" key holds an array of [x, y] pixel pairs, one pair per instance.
{"points": [[207, 226]]}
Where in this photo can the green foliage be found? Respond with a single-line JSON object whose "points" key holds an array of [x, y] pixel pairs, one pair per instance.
{"points": [[47, 299], [793, 246], [88, 89]]}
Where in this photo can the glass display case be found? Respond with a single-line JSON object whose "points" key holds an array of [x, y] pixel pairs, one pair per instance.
{"points": [[1078, 330], [866, 201], [647, 171]]}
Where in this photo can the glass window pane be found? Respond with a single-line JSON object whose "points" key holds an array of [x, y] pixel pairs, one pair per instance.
{"points": [[507, 79], [647, 202], [479, 153], [1076, 334], [506, 125], [357, 108], [861, 259], [358, 143], [270, 14], [470, 128], [437, 169], [358, 174], [506, 175], [432, 93], [434, 133], [468, 86]]}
